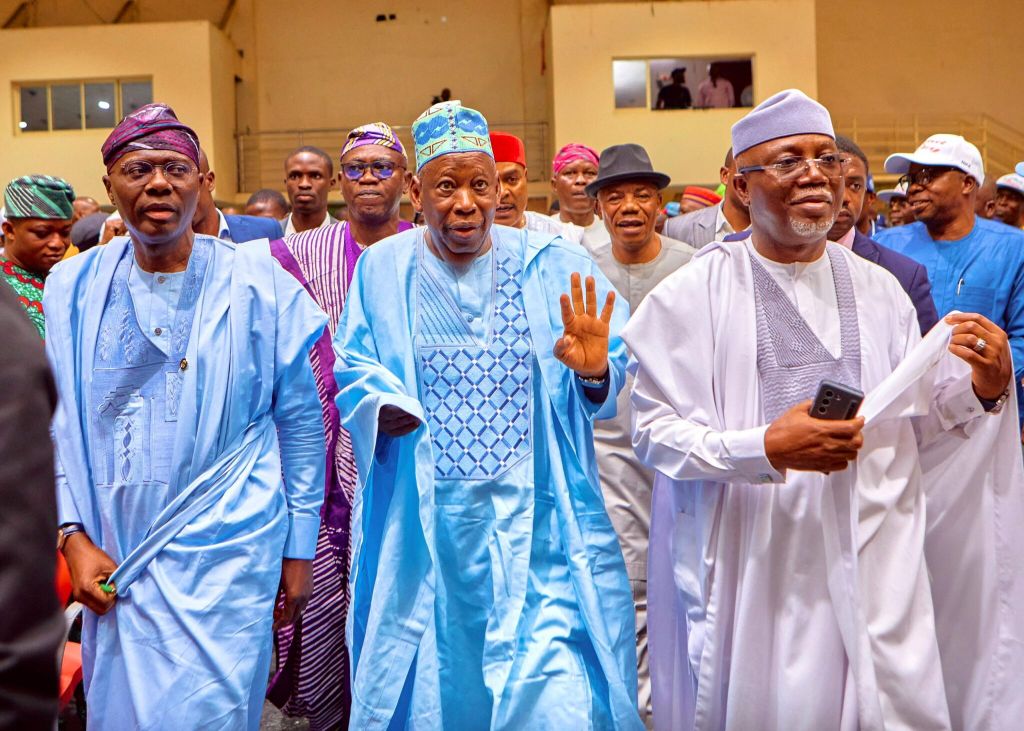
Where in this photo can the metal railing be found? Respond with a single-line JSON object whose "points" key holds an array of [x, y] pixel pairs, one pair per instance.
{"points": [[261, 154], [1001, 146]]}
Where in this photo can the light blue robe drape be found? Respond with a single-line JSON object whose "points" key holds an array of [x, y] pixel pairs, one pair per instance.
{"points": [[187, 644], [419, 541]]}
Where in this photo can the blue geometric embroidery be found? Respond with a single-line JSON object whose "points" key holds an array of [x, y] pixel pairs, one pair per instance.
{"points": [[477, 397]]}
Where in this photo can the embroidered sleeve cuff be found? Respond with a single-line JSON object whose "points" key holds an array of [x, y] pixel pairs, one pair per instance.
{"points": [[302, 535], [744, 450]]}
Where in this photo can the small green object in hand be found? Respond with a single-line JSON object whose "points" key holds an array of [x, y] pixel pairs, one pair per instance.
{"points": [[108, 588]]}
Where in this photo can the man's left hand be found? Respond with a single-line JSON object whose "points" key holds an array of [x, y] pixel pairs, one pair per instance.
{"points": [[296, 588], [583, 346], [991, 368]]}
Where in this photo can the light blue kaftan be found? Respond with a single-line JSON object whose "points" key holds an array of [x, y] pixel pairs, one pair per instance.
{"points": [[489, 590], [179, 410]]}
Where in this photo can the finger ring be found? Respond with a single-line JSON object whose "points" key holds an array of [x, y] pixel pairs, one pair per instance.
{"points": [[979, 347]]}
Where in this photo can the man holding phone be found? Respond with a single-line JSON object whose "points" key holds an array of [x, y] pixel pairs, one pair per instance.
{"points": [[755, 591]]}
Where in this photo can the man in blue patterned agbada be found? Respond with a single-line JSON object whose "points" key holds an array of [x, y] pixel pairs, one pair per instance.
{"points": [[488, 587], [191, 447]]}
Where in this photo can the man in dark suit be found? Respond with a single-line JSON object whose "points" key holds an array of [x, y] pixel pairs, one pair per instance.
{"points": [[31, 629], [699, 228], [210, 221], [913, 277]]}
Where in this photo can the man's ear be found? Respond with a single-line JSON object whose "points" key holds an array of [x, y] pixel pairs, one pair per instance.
{"points": [[970, 184], [740, 181], [210, 184], [723, 175], [109, 189], [414, 193]]}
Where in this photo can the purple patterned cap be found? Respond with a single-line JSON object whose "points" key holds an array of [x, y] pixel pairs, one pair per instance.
{"points": [[151, 127]]}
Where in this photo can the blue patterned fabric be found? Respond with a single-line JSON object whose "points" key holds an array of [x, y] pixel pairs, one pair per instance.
{"points": [[790, 358], [449, 127], [197, 478], [133, 402], [500, 599], [476, 395]]}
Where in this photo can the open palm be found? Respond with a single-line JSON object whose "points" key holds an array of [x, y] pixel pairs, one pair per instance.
{"points": [[583, 346]]}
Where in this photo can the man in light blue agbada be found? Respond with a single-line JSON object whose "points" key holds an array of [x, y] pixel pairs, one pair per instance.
{"points": [[186, 393], [488, 587]]}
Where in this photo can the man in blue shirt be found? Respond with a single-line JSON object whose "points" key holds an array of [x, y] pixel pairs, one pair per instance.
{"points": [[975, 265]]}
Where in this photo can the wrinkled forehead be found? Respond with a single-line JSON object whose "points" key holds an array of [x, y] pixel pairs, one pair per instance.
{"points": [[373, 153], [155, 157], [458, 165]]}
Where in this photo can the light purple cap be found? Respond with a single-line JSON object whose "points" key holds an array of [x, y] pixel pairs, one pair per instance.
{"points": [[788, 113]]}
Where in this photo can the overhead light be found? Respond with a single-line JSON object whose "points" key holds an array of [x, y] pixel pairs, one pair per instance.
{"points": [[103, 104], [22, 124]]}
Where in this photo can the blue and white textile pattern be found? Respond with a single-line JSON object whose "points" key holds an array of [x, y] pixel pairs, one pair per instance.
{"points": [[173, 462], [493, 582]]}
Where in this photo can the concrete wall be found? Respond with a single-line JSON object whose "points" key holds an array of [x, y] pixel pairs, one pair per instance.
{"points": [[689, 145], [924, 56], [188, 81]]}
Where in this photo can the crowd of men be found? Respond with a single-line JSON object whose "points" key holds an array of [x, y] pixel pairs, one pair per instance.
{"points": [[503, 470]]}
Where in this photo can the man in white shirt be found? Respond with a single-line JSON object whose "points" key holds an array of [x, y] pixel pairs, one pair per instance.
{"points": [[785, 591], [309, 178]]}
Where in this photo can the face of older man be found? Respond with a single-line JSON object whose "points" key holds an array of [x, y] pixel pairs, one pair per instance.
{"points": [[570, 188], [900, 212], [156, 193], [84, 206], [630, 211], [1009, 206], [940, 194], [855, 178], [798, 206], [36, 244], [372, 180], [457, 194], [513, 196]]}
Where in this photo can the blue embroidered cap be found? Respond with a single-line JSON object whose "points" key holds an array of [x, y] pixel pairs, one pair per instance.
{"points": [[449, 127], [788, 113]]}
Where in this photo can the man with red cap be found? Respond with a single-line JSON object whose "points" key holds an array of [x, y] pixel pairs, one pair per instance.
{"points": [[510, 158], [191, 468]]}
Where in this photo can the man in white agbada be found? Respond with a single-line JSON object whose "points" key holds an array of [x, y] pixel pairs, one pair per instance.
{"points": [[786, 591]]}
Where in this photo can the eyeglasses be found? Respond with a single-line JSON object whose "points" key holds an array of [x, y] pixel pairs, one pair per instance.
{"points": [[790, 168], [175, 171], [381, 169], [925, 176]]}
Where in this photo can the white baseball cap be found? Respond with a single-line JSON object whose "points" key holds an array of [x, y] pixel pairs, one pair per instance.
{"points": [[900, 191], [951, 150], [1012, 181]]}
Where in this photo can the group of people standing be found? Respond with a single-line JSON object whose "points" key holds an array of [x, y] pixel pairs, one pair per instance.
{"points": [[511, 471]]}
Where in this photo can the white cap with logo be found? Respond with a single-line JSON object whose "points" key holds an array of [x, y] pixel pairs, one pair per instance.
{"points": [[1012, 181], [900, 191], [945, 150]]}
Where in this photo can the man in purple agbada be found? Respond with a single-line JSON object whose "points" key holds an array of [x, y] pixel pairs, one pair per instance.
{"points": [[313, 673]]}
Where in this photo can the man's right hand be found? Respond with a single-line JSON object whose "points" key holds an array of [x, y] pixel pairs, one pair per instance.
{"points": [[396, 423], [798, 441], [90, 566]]}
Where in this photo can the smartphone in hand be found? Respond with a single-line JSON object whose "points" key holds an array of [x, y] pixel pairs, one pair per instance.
{"points": [[836, 401]]}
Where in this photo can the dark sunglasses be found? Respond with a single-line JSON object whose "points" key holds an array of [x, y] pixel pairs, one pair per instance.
{"points": [[380, 169]]}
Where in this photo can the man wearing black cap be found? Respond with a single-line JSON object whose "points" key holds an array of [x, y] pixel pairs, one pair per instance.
{"points": [[628, 193]]}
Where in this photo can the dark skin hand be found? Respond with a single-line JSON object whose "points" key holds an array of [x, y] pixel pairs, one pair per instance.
{"points": [[991, 369], [295, 590], [798, 441], [90, 566]]}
